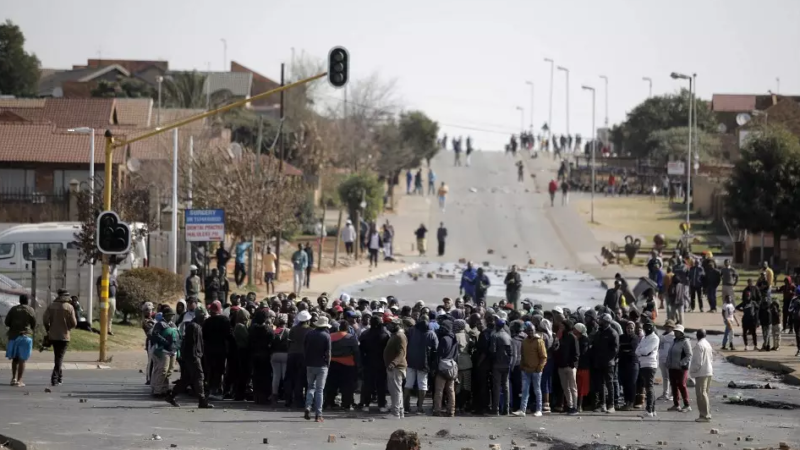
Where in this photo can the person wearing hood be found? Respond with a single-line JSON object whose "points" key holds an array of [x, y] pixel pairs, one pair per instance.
{"points": [[217, 334], [422, 345], [466, 344], [583, 376], [467, 287], [647, 351], [605, 347], [343, 371], [567, 360], [551, 344], [59, 318], [372, 344], [192, 366], [260, 338], [394, 358], [501, 355], [165, 340], [295, 379], [279, 353], [750, 313], [533, 360], [628, 364], [788, 290], [447, 370], [702, 371], [678, 360]]}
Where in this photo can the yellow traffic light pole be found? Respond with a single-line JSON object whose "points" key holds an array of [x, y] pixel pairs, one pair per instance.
{"points": [[111, 144]]}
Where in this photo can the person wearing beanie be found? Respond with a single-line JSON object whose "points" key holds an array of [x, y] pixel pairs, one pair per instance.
{"points": [[217, 332], [501, 356]]}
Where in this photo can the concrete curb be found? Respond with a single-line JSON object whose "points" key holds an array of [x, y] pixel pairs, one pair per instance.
{"points": [[13, 444], [790, 376], [65, 366], [376, 277]]}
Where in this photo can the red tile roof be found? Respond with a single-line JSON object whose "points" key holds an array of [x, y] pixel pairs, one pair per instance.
{"points": [[45, 143], [79, 112], [733, 102]]}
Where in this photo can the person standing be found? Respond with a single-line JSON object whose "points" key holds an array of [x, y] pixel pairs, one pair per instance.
{"points": [[481, 285], [564, 192], [770, 275], [20, 322], [422, 345], [765, 320], [728, 318], [567, 364], [702, 372], [372, 344], [349, 237], [388, 237], [713, 278], [192, 362], [418, 183], [729, 279], [552, 188], [310, 258], [775, 317], [678, 361], [534, 358], [431, 182], [59, 318], [513, 284], [441, 238], [749, 311], [501, 354], [317, 355], [344, 366], [787, 290], [165, 346], [628, 364], [665, 344], [696, 283], [394, 357], [442, 193], [239, 271], [647, 354], [295, 378], [794, 312], [447, 370], [299, 264], [605, 346], [374, 244], [421, 242], [223, 256]]}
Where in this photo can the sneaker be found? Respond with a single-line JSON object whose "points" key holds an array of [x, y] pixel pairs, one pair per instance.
{"points": [[610, 410], [646, 415], [663, 397], [518, 414], [733, 349], [171, 400], [20, 384], [653, 414], [686, 409], [13, 382], [205, 405], [365, 409], [307, 414], [384, 410], [537, 414], [319, 419], [674, 408], [392, 417], [572, 412], [702, 419]]}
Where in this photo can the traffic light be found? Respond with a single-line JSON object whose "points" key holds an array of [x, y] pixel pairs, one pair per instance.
{"points": [[113, 235], [338, 66]]}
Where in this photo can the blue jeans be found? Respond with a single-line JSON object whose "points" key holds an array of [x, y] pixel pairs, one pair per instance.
{"points": [[728, 335], [528, 379], [316, 377]]}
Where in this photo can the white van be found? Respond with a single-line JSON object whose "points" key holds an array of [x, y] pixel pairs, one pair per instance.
{"points": [[22, 244]]}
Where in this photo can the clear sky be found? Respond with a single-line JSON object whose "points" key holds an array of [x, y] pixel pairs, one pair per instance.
{"points": [[464, 62]]}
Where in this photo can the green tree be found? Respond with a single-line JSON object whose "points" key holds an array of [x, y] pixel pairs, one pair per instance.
{"points": [[762, 191], [19, 70], [419, 132], [123, 88], [659, 113], [670, 145], [362, 186]]}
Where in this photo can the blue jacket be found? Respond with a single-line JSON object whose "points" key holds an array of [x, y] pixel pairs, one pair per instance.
{"points": [[422, 345], [241, 249], [658, 276], [318, 348], [467, 279]]}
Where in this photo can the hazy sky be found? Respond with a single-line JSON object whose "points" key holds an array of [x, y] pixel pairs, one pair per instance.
{"points": [[464, 62]]}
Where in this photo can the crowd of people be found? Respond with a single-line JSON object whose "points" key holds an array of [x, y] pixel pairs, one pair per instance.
{"points": [[472, 358]]}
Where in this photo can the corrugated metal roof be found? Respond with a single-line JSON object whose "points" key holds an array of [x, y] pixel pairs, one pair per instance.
{"points": [[238, 83]]}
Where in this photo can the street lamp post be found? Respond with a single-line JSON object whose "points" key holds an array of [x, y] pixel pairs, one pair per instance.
{"points": [[778, 87], [521, 119], [530, 83], [224, 55], [650, 83], [159, 81], [594, 144], [603, 77], [550, 107], [90, 132], [566, 72], [680, 76]]}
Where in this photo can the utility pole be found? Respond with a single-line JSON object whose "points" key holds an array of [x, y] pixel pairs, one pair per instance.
{"points": [[605, 78], [224, 55], [594, 144], [251, 251], [550, 113], [280, 174], [566, 71]]}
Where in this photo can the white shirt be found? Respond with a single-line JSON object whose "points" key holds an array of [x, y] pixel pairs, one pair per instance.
{"points": [[320, 230], [349, 233], [701, 360], [664, 346], [374, 241], [728, 311], [647, 351]]}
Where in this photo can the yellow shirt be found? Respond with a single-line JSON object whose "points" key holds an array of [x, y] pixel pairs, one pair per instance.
{"points": [[770, 277], [443, 190], [269, 262]]}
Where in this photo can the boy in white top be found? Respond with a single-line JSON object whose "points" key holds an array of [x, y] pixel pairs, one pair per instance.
{"points": [[728, 317], [701, 370]]}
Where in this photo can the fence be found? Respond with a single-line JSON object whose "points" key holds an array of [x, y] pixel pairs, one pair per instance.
{"points": [[25, 205]]}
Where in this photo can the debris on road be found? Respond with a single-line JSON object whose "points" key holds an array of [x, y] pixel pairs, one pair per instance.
{"points": [[331, 438], [714, 431], [155, 437], [490, 251], [47, 390], [473, 190], [443, 433], [83, 400], [266, 441]]}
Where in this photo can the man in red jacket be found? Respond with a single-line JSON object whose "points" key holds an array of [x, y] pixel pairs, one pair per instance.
{"points": [[552, 188]]}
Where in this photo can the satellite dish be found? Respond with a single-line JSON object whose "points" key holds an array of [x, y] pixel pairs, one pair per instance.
{"points": [[235, 150], [133, 165], [721, 128], [742, 118]]}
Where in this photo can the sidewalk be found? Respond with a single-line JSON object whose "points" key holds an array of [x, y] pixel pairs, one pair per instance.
{"points": [[410, 212], [332, 282]]}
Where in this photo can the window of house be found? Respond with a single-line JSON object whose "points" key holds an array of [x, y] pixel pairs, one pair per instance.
{"points": [[39, 251], [18, 179], [7, 251]]}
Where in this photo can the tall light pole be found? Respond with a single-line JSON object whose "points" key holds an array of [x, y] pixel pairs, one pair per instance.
{"points": [[159, 81], [594, 144], [530, 83], [521, 119], [650, 83], [550, 107], [224, 55], [680, 76], [778, 87], [603, 77], [695, 134], [566, 72], [90, 132]]}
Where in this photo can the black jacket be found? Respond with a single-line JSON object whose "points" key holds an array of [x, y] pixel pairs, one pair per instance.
{"points": [[192, 344], [613, 299], [749, 310], [713, 277], [448, 347], [259, 341], [318, 348], [372, 343], [216, 335], [627, 349], [585, 361], [605, 347], [513, 282], [568, 352]]}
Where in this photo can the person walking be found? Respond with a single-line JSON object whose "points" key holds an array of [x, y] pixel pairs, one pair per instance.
{"points": [[374, 244], [59, 318], [20, 323], [564, 192], [678, 360], [310, 257], [418, 183], [409, 181], [317, 356], [534, 358], [552, 188], [787, 290], [567, 363], [647, 354], [765, 320], [394, 357], [794, 312], [388, 237], [702, 371], [299, 264], [192, 363], [728, 318], [431, 182], [446, 370], [729, 278], [239, 270], [421, 242], [441, 238]]}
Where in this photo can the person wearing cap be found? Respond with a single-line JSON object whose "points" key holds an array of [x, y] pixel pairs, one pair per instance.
{"points": [[702, 370], [192, 363], [513, 284], [217, 332], [664, 345], [317, 356], [605, 347], [295, 360], [59, 318], [394, 358], [647, 354], [678, 360], [527, 306], [165, 339], [349, 236], [193, 283]]}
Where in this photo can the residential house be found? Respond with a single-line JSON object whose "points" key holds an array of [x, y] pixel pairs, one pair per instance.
{"points": [[269, 105]]}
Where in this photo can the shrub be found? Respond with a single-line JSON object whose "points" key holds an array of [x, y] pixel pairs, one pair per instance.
{"points": [[166, 284], [132, 292], [351, 190]]}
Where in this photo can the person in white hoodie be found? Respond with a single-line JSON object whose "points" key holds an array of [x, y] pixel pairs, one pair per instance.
{"points": [[666, 340], [701, 370], [648, 352]]}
